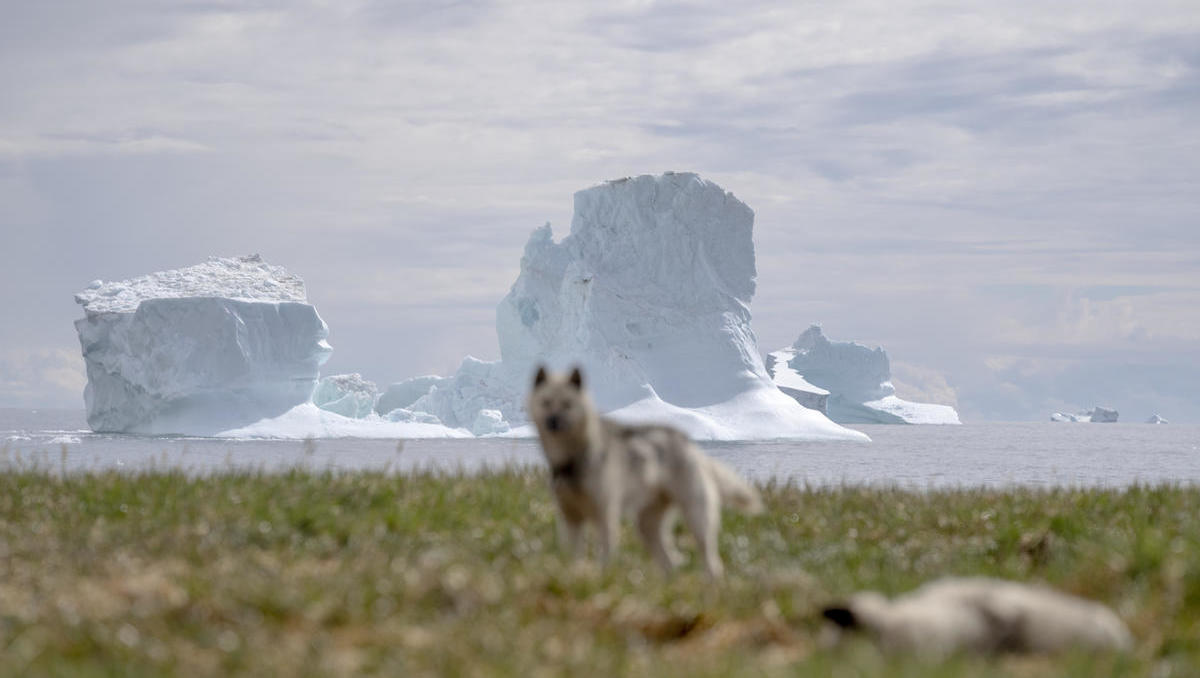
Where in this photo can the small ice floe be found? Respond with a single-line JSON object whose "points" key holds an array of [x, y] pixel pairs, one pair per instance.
{"points": [[17, 438], [64, 440]]}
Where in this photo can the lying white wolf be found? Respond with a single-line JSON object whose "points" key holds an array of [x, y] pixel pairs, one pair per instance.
{"points": [[981, 615], [601, 469]]}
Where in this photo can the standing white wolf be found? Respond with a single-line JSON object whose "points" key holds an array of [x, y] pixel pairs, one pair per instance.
{"points": [[601, 469]]}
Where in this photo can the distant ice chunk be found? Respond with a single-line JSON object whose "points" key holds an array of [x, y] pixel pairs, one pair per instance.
{"points": [[489, 422], [649, 293], [912, 413], [849, 382], [1156, 419], [405, 393], [477, 385], [346, 394], [1097, 415], [200, 349]]}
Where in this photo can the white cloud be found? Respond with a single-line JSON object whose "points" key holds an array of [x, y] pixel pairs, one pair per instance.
{"points": [[922, 384], [41, 377]]}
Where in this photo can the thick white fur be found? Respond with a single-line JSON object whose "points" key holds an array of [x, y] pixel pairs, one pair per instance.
{"points": [[982, 615]]}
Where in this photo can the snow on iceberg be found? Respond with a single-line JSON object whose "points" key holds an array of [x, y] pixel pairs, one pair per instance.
{"points": [[849, 382], [650, 293], [793, 383], [309, 421], [346, 394], [199, 349]]}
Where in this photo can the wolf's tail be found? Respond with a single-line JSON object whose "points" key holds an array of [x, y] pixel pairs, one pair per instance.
{"points": [[734, 491]]}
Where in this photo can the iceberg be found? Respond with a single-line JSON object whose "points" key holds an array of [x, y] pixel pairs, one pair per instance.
{"points": [[650, 294], [489, 422], [404, 393], [231, 348], [346, 394], [478, 385], [1096, 415], [1156, 419], [849, 382], [200, 349], [793, 383]]}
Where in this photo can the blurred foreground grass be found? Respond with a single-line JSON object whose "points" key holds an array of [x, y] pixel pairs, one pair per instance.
{"points": [[316, 573]]}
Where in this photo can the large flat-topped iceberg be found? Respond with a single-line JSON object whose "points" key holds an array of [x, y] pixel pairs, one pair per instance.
{"points": [[650, 293], [199, 350], [851, 381]]}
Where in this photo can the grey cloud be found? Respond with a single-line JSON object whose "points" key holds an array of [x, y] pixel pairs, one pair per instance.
{"points": [[1136, 389], [671, 26], [906, 165], [424, 15]]}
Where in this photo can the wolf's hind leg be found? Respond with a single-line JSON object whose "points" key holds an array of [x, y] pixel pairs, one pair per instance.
{"points": [[654, 526], [570, 535], [702, 513]]}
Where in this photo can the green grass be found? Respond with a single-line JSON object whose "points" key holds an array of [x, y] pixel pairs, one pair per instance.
{"points": [[312, 573]]}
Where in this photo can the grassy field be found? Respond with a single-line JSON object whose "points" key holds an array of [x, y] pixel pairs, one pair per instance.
{"points": [[311, 573]]}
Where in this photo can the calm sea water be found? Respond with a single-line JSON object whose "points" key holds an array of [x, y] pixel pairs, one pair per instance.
{"points": [[1043, 454]]}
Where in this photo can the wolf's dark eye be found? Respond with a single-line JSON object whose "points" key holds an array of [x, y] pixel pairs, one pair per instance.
{"points": [[546, 403], [566, 404]]}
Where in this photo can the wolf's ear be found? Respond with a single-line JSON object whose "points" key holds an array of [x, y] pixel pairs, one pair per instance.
{"points": [[840, 615], [540, 377], [576, 378]]}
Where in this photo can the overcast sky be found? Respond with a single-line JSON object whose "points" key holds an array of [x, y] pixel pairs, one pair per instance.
{"points": [[1005, 195]]}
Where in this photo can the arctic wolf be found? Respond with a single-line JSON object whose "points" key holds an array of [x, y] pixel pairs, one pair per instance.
{"points": [[981, 615], [601, 469]]}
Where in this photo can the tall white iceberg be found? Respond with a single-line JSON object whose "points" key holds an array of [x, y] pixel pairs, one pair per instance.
{"points": [[851, 381], [650, 293], [200, 349]]}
